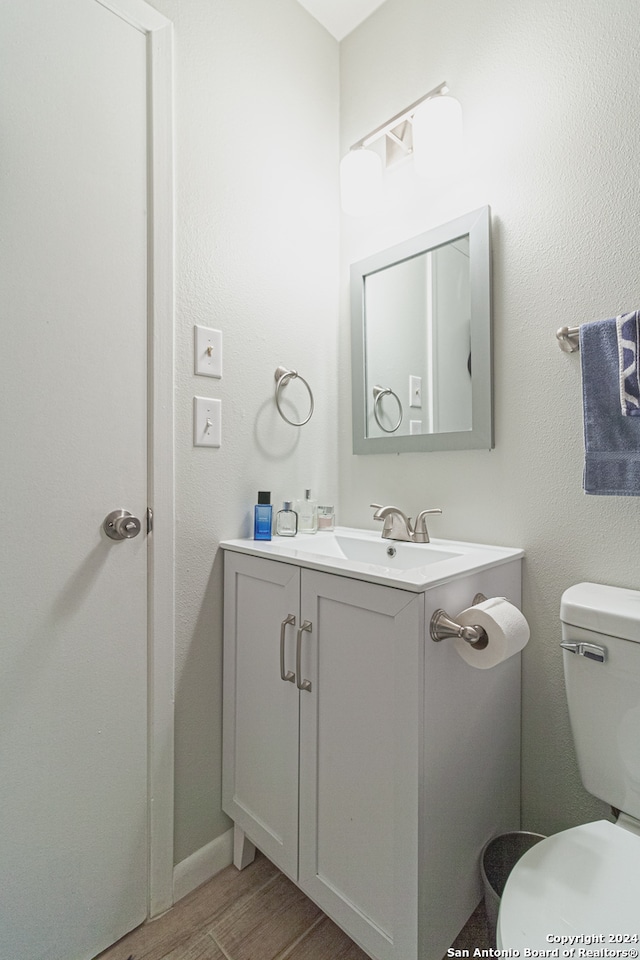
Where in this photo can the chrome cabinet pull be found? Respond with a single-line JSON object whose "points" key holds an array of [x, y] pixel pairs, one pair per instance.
{"points": [[289, 675], [302, 684]]}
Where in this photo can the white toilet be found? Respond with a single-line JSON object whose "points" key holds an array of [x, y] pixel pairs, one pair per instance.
{"points": [[585, 882]]}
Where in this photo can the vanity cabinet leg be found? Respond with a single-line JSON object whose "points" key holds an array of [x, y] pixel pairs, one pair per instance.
{"points": [[243, 850]]}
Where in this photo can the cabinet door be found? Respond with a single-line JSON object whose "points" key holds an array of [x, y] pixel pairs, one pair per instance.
{"points": [[359, 759], [260, 721]]}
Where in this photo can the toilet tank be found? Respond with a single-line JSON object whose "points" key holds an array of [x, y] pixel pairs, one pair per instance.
{"points": [[601, 654]]}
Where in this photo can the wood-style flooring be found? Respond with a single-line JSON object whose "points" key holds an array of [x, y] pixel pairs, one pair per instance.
{"points": [[253, 914]]}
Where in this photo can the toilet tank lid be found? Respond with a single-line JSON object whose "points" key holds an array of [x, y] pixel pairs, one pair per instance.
{"points": [[613, 611]]}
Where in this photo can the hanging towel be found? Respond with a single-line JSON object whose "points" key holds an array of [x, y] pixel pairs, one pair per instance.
{"points": [[627, 329], [611, 441]]}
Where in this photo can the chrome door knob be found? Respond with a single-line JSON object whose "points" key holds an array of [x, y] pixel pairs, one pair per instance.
{"points": [[121, 525]]}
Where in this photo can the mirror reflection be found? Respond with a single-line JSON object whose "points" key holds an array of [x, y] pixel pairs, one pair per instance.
{"points": [[421, 350], [420, 380]]}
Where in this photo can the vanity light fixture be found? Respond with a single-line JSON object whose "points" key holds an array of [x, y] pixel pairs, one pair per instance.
{"points": [[430, 130], [437, 137]]}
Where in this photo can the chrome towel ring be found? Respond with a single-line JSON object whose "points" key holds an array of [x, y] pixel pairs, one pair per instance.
{"points": [[282, 378], [379, 393]]}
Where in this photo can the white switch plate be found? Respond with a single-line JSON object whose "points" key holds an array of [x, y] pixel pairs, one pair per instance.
{"points": [[207, 422], [208, 351], [415, 391]]}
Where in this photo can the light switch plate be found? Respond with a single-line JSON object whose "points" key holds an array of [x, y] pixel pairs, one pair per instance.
{"points": [[208, 351], [415, 391], [207, 422]]}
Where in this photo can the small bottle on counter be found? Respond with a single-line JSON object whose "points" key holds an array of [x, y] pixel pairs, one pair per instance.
{"points": [[286, 520], [262, 516], [307, 511], [326, 517]]}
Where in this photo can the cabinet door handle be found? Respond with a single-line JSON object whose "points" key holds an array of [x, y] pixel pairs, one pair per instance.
{"points": [[302, 684], [289, 674]]}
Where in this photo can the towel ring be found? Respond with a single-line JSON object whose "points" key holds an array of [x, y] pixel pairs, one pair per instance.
{"points": [[379, 393], [282, 378]]}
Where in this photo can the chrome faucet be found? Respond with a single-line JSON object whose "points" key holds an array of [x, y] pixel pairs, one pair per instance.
{"points": [[397, 526]]}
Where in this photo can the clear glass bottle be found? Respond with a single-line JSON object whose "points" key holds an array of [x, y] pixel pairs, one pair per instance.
{"points": [[326, 517], [262, 516], [286, 520], [307, 511]]}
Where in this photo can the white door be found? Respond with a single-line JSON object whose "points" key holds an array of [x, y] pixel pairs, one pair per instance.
{"points": [[73, 443]]}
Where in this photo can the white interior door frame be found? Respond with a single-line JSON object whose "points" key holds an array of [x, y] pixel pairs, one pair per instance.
{"points": [[161, 582]]}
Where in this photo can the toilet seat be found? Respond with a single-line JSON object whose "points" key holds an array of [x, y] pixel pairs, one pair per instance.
{"points": [[583, 882]]}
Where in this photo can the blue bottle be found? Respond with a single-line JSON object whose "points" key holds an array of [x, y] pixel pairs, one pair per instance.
{"points": [[262, 516]]}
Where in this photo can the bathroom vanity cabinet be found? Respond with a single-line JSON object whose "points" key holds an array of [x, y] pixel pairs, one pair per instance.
{"points": [[369, 763]]}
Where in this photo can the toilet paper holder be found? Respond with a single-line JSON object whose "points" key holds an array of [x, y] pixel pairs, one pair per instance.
{"points": [[442, 627]]}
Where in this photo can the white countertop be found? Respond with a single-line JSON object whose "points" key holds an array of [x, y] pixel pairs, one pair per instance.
{"points": [[364, 555]]}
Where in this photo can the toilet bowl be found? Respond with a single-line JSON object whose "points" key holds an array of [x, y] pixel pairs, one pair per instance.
{"points": [[579, 890]]}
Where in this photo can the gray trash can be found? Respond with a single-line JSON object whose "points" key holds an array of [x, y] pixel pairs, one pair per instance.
{"points": [[499, 857]]}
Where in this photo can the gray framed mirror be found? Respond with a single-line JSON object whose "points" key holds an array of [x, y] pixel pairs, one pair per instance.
{"points": [[421, 357]]}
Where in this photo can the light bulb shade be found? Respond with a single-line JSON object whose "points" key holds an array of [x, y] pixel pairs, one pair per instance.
{"points": [[437, 137], [360, 182]]}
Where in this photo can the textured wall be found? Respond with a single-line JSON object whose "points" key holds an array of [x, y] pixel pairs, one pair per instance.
{"points": [[256, 133], [549, 92]]}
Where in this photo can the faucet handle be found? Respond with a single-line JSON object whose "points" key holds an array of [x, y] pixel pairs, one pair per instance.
{"points": [[376, 506], [420, 532]]}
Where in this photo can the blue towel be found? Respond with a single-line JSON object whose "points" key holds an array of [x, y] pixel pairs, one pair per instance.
{"points": [[611, 441], [628, 331]]}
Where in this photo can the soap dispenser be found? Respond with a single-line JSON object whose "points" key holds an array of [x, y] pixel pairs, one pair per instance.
{"points": [[307, 511]]}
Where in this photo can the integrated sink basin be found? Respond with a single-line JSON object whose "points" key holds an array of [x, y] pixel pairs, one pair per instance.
{"points": [[360, 546], [364, 555]]}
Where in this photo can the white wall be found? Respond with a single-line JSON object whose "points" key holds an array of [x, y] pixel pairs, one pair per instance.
{"points": [[256, 108], [549, 93]]}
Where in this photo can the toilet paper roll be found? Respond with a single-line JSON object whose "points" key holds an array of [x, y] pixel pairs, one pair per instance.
{"points": [[506, 628]]}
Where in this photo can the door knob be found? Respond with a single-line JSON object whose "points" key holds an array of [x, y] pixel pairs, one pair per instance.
{"points": [[121, 525]]}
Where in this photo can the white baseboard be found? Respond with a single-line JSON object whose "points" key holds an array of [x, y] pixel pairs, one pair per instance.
{"points": [[202, 865]]}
